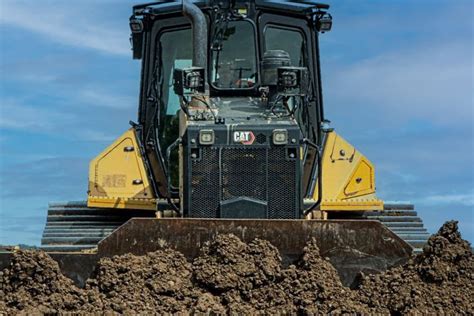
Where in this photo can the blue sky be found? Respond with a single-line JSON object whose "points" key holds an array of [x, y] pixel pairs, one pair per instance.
{"points": [[398, 84]]}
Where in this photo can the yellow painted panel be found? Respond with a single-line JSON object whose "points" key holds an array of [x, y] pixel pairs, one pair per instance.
{"points": [[347, 176], [119, 173], [352, 205], [361, 182]]}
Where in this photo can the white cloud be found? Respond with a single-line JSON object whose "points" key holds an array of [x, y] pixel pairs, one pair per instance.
{"points": [[15, 115], [466, 199], [100, 98], [67, 23], [431, 82], [95, 136]]}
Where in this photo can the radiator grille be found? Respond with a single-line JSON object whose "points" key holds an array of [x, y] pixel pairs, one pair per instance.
{"points": [[243, 173], [258, 173], [205, 185], [282, 188]]}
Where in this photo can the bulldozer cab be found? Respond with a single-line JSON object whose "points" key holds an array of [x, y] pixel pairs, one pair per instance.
{"points": [[231, 96]]}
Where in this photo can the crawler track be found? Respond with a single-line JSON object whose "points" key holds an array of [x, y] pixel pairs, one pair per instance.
{"points": [[403, 220], [72, 226]]}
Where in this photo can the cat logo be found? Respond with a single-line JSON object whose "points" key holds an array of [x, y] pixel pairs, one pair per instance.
{"points": [[245, 138]]}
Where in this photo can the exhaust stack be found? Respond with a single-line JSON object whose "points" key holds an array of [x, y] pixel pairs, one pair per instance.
{"points": [[199, 25]]}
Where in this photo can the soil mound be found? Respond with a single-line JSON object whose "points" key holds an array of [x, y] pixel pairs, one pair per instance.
{"points": [[439, 280], [33, 283], [249, 279], [159, 282], [233, 270], [233, 277]]}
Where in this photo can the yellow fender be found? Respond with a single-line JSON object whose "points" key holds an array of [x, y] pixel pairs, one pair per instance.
{"points": [[348, 178], [118, 178]]}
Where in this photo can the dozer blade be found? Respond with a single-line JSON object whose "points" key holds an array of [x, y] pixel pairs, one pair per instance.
{"points": [[352, 246]]}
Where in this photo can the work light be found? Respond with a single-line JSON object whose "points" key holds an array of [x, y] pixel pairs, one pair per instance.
{"points": [[206, 137], [324, 23], [189, 80], [292, 80], [136, 25], [280, 136]]}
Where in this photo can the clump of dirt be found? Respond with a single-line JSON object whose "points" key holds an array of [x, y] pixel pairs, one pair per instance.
{"points": [[249, 279], [227, 263], [159, 282], [312, 286], [439, 280], [33, 283], [232, 269]]}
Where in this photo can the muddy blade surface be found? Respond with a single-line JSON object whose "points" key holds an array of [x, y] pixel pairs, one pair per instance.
{"points": [[352, 246]]}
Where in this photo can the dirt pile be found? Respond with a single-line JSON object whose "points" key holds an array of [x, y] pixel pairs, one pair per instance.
{"points": [[248, 279], [439, 280], [233, 277], [34, 283], [159, 282]]}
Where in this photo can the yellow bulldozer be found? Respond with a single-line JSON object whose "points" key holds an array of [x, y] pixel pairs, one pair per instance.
{"points": [[231, 137]]}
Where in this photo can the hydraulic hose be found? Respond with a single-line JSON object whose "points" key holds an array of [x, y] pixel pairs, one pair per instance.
{"points": [[320, 178]]}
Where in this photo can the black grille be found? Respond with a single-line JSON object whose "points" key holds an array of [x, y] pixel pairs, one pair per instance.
{"points": [[282, 196], [205, 184], [261, 138], [264, 174], [244, 173]]}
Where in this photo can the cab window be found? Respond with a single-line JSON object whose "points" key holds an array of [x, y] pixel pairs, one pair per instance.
{"points": [[174, 51], [289, 40], [233, 56]]}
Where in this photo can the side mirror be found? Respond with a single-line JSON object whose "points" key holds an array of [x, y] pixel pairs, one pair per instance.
{"points": [[189, 81], [292, 81]]}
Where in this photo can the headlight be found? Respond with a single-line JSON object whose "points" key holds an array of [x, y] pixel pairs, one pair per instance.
{"points": [[280, 137], [206, 137]]}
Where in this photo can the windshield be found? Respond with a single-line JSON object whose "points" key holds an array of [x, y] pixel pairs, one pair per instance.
{"points": [[234, 57]]}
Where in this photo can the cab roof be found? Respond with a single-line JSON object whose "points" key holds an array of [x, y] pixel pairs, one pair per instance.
{"points": [[303, 7]]}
